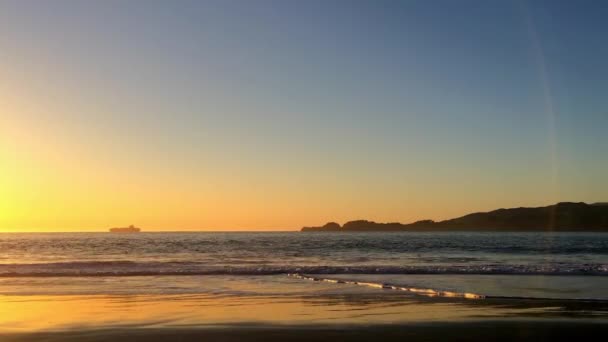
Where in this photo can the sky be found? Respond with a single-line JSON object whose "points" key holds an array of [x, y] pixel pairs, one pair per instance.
{"points": [[272, 115]]}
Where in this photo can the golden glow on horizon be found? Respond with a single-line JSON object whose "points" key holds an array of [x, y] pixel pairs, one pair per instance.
{"points": [[51, 182]]}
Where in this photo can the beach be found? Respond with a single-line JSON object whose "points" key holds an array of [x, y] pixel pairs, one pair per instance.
{"points": [[237, 308], [291, 286]]}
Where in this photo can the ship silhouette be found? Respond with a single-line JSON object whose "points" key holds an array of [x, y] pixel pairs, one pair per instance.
{"points": [[129, 229]]}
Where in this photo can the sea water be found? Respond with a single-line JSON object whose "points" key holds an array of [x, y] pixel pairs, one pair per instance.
{"points": [[289, 252], [539, 265]]}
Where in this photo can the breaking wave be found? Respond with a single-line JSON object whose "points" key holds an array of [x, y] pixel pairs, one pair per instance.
{"points": [[131, 268], [433, 292]]}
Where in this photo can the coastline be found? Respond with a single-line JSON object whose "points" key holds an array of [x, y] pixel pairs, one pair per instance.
{"points": [[134, 287]]}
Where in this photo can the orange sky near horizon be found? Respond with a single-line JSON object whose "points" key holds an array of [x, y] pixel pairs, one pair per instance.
{"points": [[50, 186], [55, 179]]}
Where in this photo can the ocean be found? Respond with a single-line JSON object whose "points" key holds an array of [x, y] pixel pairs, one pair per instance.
{"points": [[246, 253], [284, 253], [67, 281]]}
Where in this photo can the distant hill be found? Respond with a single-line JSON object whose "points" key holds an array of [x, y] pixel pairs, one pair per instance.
{"points": [[565, 216]]}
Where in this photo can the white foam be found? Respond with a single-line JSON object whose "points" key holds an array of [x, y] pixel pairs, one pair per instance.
{"points": [[418, 291]]}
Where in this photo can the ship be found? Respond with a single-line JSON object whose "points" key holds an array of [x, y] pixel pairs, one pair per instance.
{"points": [[129, 229]]}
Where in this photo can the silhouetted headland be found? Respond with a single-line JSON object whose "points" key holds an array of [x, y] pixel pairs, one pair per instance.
{"points": [[565, 216], [129, 229]]}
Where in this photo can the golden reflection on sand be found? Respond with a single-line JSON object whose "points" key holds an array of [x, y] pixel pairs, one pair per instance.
{"points": [[35, 313]]}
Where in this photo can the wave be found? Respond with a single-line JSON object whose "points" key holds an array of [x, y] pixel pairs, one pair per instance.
{"points": [[434, 292], [416, 290], [132, 268]]}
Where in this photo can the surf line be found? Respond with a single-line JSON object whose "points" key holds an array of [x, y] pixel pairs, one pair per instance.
{"points": [[418, 291]]}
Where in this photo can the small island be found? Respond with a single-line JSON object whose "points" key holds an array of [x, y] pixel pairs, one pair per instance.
{"points": [[564, 216], [129, 229]]}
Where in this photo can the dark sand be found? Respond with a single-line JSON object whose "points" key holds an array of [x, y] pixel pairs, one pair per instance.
{"points": [[527, 330]]}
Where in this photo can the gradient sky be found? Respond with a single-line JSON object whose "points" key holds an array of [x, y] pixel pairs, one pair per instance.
{"points": [[276, 114]]}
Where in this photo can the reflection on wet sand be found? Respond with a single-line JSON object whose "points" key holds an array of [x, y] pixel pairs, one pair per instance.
{"points": [[44, 313], [270, 308]]}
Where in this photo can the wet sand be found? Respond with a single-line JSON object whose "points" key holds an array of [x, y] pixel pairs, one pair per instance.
{"points": [[275, 309]]}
